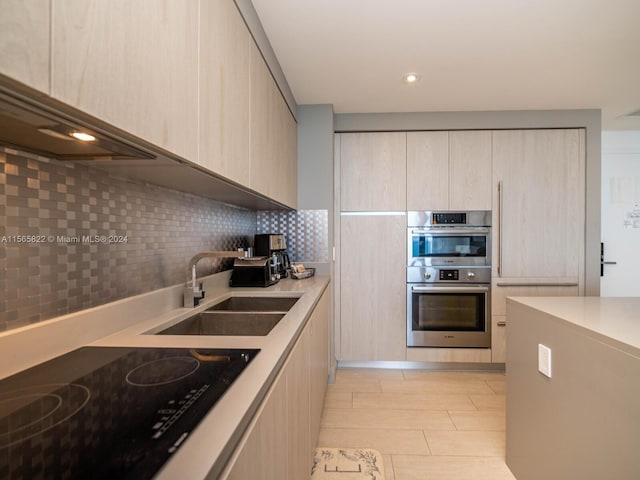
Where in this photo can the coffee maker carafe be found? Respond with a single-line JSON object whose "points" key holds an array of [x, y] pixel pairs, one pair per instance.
{"points": [[273, 245]]}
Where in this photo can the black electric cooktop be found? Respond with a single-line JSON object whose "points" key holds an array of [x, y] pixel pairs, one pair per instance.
{"points": [[109, 412]]}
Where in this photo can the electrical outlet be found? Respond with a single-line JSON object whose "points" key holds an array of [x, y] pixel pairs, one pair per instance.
{"points": [[544, 360]]}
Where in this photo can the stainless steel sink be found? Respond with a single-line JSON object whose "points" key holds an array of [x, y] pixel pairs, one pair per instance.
{"points": [[243, 316], [255, 304], [226, 323]]}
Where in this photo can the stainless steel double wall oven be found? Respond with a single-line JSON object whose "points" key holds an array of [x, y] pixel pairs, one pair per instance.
{"points": [[449, 279]]}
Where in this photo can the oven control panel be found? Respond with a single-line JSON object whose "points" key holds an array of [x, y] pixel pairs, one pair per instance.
{"points": [[449, 218], [449, 274], [462, 275]]}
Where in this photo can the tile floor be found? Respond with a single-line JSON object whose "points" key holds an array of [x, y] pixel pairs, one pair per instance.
{"points": [[427, 425]]}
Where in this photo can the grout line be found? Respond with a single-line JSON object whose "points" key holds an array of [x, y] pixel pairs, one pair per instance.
{"points": [[452, 420], [393, 471], [424, 434]]}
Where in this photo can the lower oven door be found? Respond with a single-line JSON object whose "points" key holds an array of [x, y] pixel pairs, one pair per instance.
{"points": [[448, 316]]}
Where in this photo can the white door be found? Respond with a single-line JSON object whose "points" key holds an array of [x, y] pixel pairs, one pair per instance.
{"points": [[621, 213]]}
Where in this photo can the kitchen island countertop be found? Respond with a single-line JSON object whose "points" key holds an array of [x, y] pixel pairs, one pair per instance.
{"points": [[612, 320]]}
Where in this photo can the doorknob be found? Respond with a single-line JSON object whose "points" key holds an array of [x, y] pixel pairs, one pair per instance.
{"points": [[602, 262]]}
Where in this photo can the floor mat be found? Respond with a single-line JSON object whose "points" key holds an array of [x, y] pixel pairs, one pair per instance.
{"points": [[347, 464]]}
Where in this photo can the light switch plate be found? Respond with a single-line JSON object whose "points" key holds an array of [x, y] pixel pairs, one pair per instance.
{"points": [[544, 360]]}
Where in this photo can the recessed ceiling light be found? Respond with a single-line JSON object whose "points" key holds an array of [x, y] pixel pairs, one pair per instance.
{"points": [[85, 137], [411, 78]]}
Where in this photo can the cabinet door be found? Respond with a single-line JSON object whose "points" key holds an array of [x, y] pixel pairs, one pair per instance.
{"points": [[470, 170], [262, 453], [373, 287], [287, 155], [449, 170], [131, 64], [225, 91], [540, 227], [24, 42], [273, 137], [300, 450], [319, 362], [373, 171], [498, 339], [428, 170]]}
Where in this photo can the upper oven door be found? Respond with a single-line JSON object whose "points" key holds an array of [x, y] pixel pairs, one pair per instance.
{"points": [[443, 246]]}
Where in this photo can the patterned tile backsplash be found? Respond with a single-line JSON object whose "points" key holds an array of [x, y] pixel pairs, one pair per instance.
{"points": [[74, 237], [306, 232]]}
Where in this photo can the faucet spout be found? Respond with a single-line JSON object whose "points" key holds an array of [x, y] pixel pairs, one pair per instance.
{"points": [[194, 293]]}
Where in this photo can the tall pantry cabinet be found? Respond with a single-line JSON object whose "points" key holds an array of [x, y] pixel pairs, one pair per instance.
{"points": [[539, 218], [371, 292]]}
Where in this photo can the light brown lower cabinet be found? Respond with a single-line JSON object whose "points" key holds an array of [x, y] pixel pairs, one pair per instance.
{"points": [[262, 453], [498, 338], [280, 440]]}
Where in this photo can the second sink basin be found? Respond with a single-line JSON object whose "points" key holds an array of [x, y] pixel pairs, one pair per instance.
{"points": [[226, 323], [256, 304], [241, 316]]}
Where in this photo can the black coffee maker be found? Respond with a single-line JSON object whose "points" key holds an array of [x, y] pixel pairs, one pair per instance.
{"points": [[273, 245]]}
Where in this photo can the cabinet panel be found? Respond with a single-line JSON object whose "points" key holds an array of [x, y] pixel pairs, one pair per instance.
{"points": [[498, 339], [280, 441], [540, 229], [449, 170], [24, 42], [287, 166], [470, 170], [373, 171], [225, 91], [273, 137], [131, 64], [427, 170], [263, 454], [319, 362], [373, 287], [538, 246], [298, 413]]}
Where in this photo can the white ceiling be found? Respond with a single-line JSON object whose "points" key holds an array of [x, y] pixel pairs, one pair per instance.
{"points": [[472, 55]]}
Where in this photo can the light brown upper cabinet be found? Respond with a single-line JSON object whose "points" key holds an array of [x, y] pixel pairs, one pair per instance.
{"points": [[470, 170], [24, 42], [449, 170], [225, 91], [373, 171], [539, 182], [273, 137], [131, 64]]}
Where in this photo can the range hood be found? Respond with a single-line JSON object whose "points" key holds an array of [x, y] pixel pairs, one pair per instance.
{"points": [[32, 128], [34, 124]]}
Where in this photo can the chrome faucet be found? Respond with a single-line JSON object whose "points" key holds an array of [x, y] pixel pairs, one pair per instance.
{"points": [[194, 293]]}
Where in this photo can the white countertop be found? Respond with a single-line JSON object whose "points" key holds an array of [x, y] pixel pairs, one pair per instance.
{"points": [[128, 323], [612, 320]]}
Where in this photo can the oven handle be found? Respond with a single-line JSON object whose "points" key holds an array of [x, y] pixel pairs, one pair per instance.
{"points": [[450, 231], [500, 208], [467, 289]]}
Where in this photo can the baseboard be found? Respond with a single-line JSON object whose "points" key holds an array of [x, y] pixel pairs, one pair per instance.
{"points": [[436, 366]]}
